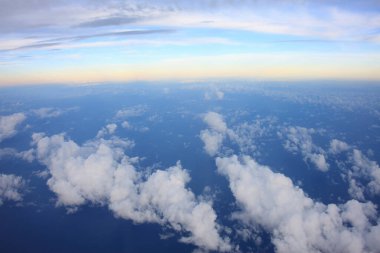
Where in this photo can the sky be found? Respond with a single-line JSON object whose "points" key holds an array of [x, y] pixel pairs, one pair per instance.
{"points": [[83, 41]]}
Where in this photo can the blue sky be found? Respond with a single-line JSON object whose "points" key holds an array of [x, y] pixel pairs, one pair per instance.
{"points": [[99, 41]]}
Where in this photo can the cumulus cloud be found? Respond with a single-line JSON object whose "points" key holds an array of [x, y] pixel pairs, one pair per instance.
{"points": [[365, 170], [361, 173], [215, 121], [11, 187], [109, 129], [299, 140], [296, 222], [214, 136], [212, 141], [8, 125], [243, 134], [337, 146], [99, 172]]}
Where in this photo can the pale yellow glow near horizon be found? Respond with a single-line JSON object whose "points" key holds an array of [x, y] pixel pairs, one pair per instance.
{"points": [[261, 66]]}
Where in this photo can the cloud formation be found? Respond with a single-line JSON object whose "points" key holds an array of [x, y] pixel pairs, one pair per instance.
{"points": [[50, 112], [243, 135], [214, 93], [27, 155], [254, 16], [109, 129], [337, 146], [132, 111], [363, 175], [8, 125], [214, 136], [11, 187], [98, 172], [299, 140], [296, 222]]}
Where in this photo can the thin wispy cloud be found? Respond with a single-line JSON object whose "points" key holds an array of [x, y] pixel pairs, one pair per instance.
{"points": [[78, 27]]}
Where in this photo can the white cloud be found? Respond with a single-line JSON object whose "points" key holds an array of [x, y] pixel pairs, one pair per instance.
{"points": [[11, 187], [47, 112], [337, 146], [99, 172], [213, 137], [212, 141], [125, 124], [50, 112], [366, 170], [215, 121], [296, 222], [133, 111], [8, 125], [298, 139], [243, 134], [214, 93], [27, 155], [362, 174], [319, 161], [109, 129], [247, 134]]}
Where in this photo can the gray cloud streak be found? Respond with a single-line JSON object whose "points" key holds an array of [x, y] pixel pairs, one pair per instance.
{"points": [[62, 40]]}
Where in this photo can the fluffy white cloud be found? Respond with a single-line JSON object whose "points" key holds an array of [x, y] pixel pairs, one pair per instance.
{"points": [[215, 121], [296, 222], [366, 170], [10, 188], [298, 139], [107, 130], [212, 141], [8, 125], [213, 137], [337, 146], [99, 172], [362, 174]]}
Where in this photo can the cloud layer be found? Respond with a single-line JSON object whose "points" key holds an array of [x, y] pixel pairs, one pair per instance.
{"points": [[98, 172], [296, 222], [299, 140]]}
